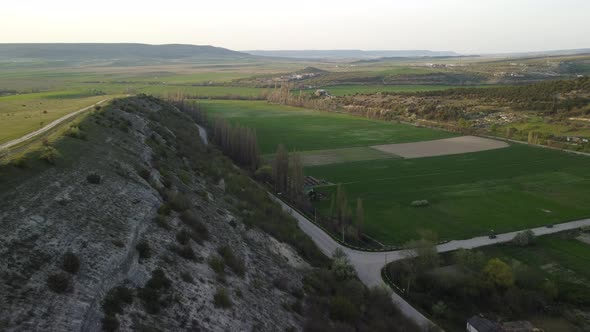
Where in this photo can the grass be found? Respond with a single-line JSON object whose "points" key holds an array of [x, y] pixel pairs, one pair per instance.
{"points": [[505, 190], [566, 128], [304, 130], [22, 114], [559, 250]]}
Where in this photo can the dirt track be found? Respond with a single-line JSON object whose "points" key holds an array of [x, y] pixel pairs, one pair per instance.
{"points": [[441, 147], [47, 127]]}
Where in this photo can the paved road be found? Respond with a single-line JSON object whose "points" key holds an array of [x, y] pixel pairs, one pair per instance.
{"points": [[48, 127], [369, 264]]}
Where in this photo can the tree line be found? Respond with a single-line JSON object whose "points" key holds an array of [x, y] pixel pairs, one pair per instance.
{"points": [[237, 142]]}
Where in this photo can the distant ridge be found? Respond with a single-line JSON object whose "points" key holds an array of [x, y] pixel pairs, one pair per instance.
{"points": [[96, 51], [351, 54], [543, 53]]}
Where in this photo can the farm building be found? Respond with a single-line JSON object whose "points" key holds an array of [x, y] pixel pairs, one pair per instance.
{"points": [[480, 324]]}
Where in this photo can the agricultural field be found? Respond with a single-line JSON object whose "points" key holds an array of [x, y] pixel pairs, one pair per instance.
{"points": [[469, 194], [304, 130]]}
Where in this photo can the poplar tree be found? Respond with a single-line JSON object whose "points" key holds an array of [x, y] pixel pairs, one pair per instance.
{"points": [[281, 168]]}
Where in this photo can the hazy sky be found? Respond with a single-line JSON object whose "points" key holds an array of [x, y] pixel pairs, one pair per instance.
{"points": [[469, 26]]}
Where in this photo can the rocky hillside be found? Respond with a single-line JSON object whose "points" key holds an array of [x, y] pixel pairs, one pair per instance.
{"points": [[130, 222]]}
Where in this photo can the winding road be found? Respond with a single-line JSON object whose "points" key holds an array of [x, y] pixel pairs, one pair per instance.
{"points": [[368, 265], [48, 127]]}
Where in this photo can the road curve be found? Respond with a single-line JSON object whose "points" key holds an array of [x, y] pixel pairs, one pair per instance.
{"points": [[48, 127], [368, 265]]}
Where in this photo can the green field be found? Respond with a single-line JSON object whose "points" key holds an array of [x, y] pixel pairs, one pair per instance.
{"points": [[21, 114], [304, 130], [469, 194]]}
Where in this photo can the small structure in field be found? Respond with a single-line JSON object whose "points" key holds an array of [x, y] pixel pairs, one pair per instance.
{"points": [[321, 93], [480, 324]]}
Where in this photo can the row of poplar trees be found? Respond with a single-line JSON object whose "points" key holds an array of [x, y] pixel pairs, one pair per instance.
{"points": [[287, 174], [349, 224], [237, 142]]}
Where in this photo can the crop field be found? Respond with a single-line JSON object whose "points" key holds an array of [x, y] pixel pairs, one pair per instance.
{"points": [[469, 194], [304, 130], [21, 114]]}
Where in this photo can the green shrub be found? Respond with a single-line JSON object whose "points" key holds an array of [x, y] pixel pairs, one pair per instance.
{"points": [[164, 209], [143, 248], [439, 309], [93, 178], [162, 222], [199, 231], [75, 132], [264, 174], [217, 264], [49, 154], [183, 237], [343, 310], [115, 299], [179, 202], [150, 295], [234, 263], [221, 299], [20, 162], [523, 239], [71, 262], [185, 251], [110, 323], [59, 282]]}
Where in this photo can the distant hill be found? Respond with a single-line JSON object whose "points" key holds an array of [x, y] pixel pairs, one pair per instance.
{"points": [[113, 51], [543, 53], [351, 54]]}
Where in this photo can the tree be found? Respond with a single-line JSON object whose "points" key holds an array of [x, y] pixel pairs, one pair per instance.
{"points": [[341, 266], [296, 178], [498, 274], [280, 169], [343, 213], [525, 238], [421, 255], [360, 216], [463, 125]]}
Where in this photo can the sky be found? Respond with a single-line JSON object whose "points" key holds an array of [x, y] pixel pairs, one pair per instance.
{"points": [[465, 26]]}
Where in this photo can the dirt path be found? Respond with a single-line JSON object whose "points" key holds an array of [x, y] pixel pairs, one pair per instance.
{"points": [[48, 127], [369, 264]]}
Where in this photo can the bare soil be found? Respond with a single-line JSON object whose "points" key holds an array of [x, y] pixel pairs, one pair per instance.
{"points": [[441, 147]]}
